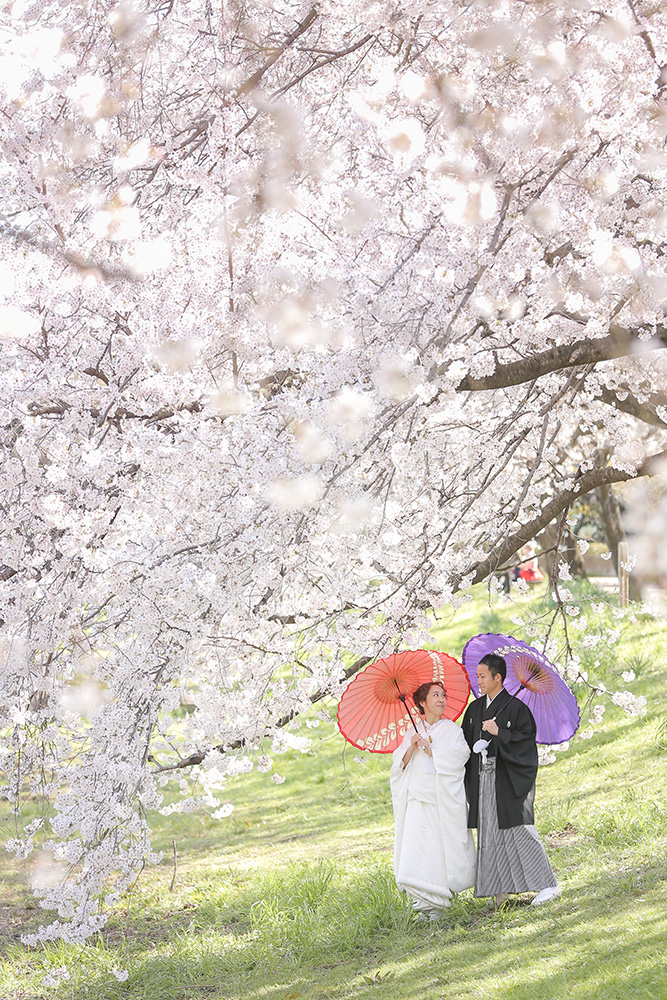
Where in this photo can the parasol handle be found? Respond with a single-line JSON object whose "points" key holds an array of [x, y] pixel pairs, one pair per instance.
{"points": [[402, 698], [520, 688]]}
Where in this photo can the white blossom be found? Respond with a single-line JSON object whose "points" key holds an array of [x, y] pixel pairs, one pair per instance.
{"points": [[56, 976], [259, 357], [597, 713], [225, 810], [630, 703]]}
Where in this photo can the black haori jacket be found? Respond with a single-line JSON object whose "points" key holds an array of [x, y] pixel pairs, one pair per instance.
{"points": [[515, 751]]}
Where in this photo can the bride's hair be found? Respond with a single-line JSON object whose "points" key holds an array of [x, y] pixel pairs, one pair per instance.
{"points": [[421, 694]]}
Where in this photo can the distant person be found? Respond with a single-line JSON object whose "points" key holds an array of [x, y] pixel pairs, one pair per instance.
{"points": [[500, 783], [434, 852]]}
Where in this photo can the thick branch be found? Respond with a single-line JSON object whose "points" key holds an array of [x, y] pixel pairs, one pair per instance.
{"points": [[324, 61], [254, 80], [646, 411], [584, 484], [108, 271], [120, 413], [617, 344]]}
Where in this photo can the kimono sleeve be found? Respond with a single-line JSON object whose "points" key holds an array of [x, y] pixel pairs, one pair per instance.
{"points": [[398, 754], [451, 751]]}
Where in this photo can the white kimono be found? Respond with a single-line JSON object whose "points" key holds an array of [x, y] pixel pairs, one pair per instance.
{"points": [[434, 851]]}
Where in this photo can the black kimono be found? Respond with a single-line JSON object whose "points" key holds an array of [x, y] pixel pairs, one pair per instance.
{"points": [[515, 751]]}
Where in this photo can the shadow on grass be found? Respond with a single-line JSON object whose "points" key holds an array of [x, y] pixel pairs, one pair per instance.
{"points": [[569, 950], [319, 931]]}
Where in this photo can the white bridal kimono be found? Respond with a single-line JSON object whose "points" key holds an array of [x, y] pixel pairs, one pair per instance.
{"points": [[434, 851]]}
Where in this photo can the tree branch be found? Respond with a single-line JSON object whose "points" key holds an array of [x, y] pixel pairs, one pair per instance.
{"points": [[646, 410], [323, 61], [619, 343], [107, 270], [256, 77], [582, 485], [197, 758]]}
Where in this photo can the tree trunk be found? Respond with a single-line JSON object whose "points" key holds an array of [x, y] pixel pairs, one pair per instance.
{"points": [[614, 531], [568, 551]]}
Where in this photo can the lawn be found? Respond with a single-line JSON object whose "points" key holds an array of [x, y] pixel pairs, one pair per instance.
{"points": [[292, 895]]}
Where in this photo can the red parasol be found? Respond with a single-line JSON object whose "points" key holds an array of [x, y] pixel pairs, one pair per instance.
{"points": [[377, 709]]}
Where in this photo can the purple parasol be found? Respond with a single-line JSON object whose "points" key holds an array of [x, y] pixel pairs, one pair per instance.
{"points": [[533, 679]]}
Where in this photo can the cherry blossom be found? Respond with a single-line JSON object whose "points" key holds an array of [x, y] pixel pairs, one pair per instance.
{"points": [[314, 316]]}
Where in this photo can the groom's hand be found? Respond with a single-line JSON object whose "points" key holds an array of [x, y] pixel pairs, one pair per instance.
{"points": [[490, 726]]}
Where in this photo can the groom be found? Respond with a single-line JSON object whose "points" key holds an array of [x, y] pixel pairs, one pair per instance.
{"points": [[500, 786]]}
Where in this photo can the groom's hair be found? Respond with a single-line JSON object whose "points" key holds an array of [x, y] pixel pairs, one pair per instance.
{"points": [[496, 665], [420, 695]]}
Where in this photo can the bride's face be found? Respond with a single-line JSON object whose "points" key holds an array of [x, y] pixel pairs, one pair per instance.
{"points": [[436, 702]]}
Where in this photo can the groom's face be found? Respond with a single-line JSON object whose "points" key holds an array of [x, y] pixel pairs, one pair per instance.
{"points": [[488, 683]]}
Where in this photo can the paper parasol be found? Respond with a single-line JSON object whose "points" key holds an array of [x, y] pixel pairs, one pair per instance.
{"points": [[532, 679], [375, 710]]}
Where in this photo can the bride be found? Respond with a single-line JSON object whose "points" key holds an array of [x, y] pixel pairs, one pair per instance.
{"points": [[434, 852]]}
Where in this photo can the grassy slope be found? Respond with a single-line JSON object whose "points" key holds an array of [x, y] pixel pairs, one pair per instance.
{"points": [[292, 896]]}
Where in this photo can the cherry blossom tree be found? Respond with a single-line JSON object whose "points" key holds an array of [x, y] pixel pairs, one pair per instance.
{"points": [[314, 315]]}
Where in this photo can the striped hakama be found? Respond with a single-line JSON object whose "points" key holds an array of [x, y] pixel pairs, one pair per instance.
{"points": [[512, 860]]}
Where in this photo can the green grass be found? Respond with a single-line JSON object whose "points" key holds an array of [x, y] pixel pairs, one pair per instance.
{"points": [[292, 896]]}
